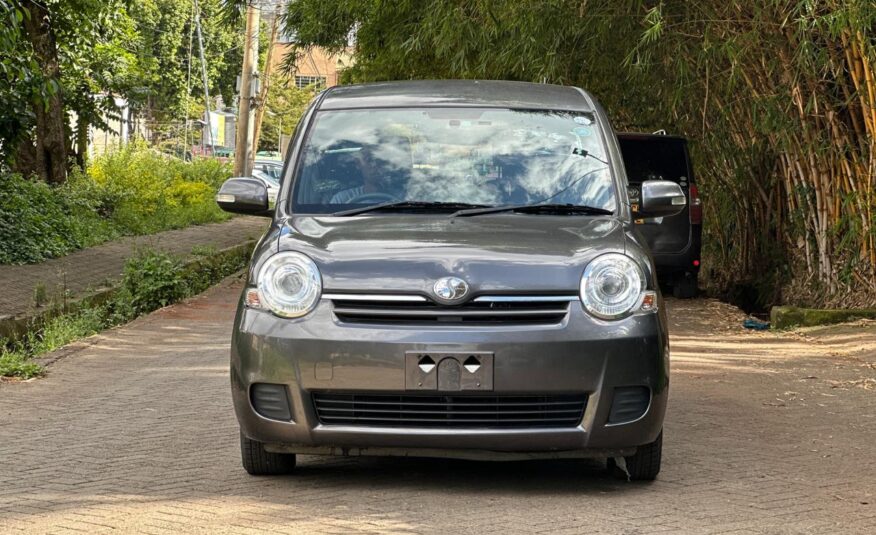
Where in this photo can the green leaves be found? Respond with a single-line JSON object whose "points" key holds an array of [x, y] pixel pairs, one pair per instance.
{"points": [[131, 191], [136, 50], [285, 106], [152, 280], [774, 95]]}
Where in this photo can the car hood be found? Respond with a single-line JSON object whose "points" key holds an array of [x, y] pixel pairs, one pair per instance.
{"points": [[493, 253]]}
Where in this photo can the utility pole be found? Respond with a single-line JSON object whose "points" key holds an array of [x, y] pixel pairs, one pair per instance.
{"points": [[244, 150], [206, 84]]}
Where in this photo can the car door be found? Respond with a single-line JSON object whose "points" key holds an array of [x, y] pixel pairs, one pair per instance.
{"points": [[659, 157]]}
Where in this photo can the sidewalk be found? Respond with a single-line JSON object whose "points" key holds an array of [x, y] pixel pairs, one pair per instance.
{"points": [[93, 267]]}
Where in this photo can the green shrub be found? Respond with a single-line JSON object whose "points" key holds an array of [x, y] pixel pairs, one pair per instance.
{"points": [[37, 222], [17, 365], [62, 330], [134, 190], [152, 280], [146, 191], [57, 332]]}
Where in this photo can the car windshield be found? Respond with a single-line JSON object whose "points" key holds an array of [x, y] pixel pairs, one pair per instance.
{"points": [[486, 157]]}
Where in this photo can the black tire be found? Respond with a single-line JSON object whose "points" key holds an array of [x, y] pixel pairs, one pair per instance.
{"points": [[644, 465], [686, 286], [258, 462]]}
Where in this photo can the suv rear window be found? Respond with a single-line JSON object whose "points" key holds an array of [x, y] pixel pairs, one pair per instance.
{"points": [[654, 158]]}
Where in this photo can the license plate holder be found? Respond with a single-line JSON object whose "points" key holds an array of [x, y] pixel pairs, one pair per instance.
{"points": [[449, 371]]}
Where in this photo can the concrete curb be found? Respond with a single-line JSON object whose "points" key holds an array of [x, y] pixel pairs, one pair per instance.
{"points": [[785, 317], [48, 359]]}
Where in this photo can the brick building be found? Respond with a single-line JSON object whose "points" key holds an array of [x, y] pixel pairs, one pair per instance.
{"points": [[316, 66]]}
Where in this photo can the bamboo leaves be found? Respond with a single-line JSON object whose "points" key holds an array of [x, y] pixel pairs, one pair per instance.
{"points": [[778, 97]]}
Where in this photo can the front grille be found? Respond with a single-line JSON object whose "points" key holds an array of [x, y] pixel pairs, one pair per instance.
{"points": [[472, 411], [470, 313]]}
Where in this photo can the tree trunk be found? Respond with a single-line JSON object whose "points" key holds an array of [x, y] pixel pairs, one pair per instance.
{"points": [[25, 159], [82, 127], [51, 125]]}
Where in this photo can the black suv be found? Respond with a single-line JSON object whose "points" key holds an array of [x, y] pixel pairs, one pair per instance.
{"points": [[675, 241]]}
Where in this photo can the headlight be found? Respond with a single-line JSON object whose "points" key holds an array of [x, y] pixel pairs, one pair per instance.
{"points": [[289, 284], [612, 286]]}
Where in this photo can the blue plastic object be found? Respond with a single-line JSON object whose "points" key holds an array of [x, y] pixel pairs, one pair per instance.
{"points": [[756, 325]]}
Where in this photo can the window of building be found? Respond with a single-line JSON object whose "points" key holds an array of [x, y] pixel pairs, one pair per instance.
{"points": [[307, 81]]}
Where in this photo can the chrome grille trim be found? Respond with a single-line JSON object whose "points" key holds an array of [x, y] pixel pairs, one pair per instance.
{"points": [[399, 298]]}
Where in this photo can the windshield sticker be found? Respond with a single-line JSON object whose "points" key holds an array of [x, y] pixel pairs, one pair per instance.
{"points": [[582, 131], [583, 120]]}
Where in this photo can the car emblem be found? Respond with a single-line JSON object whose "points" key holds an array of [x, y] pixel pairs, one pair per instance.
{"points": [[450, 289]]}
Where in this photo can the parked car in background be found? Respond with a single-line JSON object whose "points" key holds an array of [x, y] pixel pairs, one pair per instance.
{"points": [[273, 168], [674, 241], [452, 270]]}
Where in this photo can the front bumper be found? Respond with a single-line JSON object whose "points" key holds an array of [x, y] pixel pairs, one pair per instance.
{"points": [[580, 355]]}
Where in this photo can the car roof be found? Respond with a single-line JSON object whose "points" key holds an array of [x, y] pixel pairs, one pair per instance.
{"points": [[480, 93]]}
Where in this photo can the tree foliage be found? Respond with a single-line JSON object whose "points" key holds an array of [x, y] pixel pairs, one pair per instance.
{"points": [[778, 97], [136, 50], [285, 106]]}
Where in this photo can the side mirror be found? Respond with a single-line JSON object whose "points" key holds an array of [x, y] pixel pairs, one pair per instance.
{"points": [[244, 196], [661, 198]]}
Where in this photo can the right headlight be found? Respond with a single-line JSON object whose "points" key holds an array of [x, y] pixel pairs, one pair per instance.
{"points": [[289, 284], [612, 286]]}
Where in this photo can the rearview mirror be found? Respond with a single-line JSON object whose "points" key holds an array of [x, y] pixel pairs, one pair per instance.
{"points": [[244, 196], [661, 198]]}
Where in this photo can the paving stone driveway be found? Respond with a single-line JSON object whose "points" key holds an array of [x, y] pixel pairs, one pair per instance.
{"points": [[766, 433]]}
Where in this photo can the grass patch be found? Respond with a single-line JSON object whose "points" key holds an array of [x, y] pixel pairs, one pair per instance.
{"points": [[151, 280]]}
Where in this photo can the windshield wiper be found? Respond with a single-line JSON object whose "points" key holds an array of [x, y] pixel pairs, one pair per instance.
{"points": [[553, 209], [395, 205]]}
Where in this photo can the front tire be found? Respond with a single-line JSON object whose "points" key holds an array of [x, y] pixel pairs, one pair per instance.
{"points": [[644, 465], [258, 462]]}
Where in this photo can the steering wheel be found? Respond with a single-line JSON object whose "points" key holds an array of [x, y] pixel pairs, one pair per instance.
{"points": [[376, 197]]}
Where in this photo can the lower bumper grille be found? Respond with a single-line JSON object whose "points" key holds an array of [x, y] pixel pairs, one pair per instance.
{"points": [[472, 411]]}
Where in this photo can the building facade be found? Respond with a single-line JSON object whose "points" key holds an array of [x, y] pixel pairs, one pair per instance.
{"points": [[314, 67]]}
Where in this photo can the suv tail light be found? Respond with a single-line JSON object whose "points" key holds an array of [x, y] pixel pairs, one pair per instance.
{"points": [[696, 206]]}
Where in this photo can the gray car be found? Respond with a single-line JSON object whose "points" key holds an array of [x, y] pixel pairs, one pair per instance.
{"points": [[452, 271]]}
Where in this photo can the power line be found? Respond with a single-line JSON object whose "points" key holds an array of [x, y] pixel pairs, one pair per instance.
{"points": [[204, 74], [189, 75]]}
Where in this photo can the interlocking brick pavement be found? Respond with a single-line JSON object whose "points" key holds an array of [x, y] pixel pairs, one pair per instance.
{"points": [[766, 433], [91, 268]]}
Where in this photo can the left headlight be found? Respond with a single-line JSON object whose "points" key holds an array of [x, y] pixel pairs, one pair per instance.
{"points": [[289, 284], [612, 286]]}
